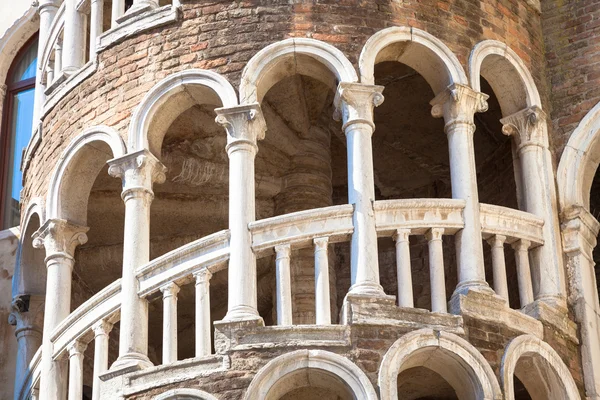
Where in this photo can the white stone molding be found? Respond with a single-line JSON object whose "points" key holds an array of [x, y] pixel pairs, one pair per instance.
{"points": [[419, 50], [266, 383], [293, 56], [177, 93], [245, 125], [553, 381], [579, 162], [355, 102], [185, 394], [139, 171], [458, 105], [510, 223], [68, 194], [506, 73], [449, 355]]}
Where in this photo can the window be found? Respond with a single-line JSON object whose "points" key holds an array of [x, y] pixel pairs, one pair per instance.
{"points": [[16, 130]]}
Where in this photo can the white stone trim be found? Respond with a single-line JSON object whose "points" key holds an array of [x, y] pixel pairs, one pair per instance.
{"points": [[146, 111], [514, 224], [522, 82], [470, 375], [90, 135], [529, 345], [35, 206], [68, 84], [423, 48], [579, 162], [175, 394], [332, 363], [260, 74]]}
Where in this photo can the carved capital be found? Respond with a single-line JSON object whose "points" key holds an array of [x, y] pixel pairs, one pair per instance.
{"points": [[102, 327], [434, 234], [27, 315], [321, 243], [245, 126], [355, 102], [458, 105], [496, 241], [170, 290], [138, 171], [203, 276], [527, 127], [579, 231], [282, 251], [60, 238], [76, 348], [401, 235]]}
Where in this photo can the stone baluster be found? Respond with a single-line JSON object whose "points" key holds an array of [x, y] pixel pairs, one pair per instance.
{"points": [[403, 268], [521, 248], [284, 285], [57, 59], [355, 102], [76, 350], [101, 339], [117, 11], [73, 54], [245, 125], [203, 326], [499, 265], [169, 347], [436, 270], [49, 74], [47, 10], [28, 318], [59, 238], [138, 171], [458, 105], [322, 299], [96, 20], [528, 129]]}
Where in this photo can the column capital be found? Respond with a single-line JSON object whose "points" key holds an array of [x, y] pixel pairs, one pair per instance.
{"points": [[526, 126], [76, 348], [354, 103], [496, 240], [458, 105], [245, 125], [283, 251], [202, 276], [521, 245], [170, 289], [321, 243], [60, 237], [434, 234], [102, 327], [45, 4], [139, 171], [27, 314], [401, 235]]}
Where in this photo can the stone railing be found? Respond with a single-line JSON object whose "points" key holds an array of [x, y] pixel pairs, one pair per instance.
{"points": [[521, 230], [31, 380], [429, 217]]}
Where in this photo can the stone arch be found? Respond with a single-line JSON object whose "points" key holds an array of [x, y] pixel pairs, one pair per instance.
{"points": [[506, 73], [553, 380], [450, 356], [30, 270], [171, 97], [416, 48], [76, 170], [579, 162], [293, 56], [269, 383], [185, 394]]}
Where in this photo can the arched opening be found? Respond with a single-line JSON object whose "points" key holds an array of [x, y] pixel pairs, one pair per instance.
{"points": [[531, 369], [301, 164], [435, 365], [176, 122], [310, 384]]}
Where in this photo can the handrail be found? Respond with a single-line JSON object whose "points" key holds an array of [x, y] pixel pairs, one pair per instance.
{"points": [[418, 215], [33, 374], [513, 224], [298, 229]]}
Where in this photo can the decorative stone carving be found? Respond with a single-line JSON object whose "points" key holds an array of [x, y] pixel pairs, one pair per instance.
{"points": [[458, 104], [525, 127], [244, 125], [59, 236], [354, 103], [138, 170]]}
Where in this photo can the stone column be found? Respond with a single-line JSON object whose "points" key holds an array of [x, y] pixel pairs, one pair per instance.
{"points": [[403, 268], [322, 302], [169, 350], [203, 328], [579, 231], [245, 125], [356, 101], [499, 265], [284, 285], [138, 171], [458, 105], [59, 238], [436, 270], [96, 19], [521, 248], [73, 38], [117, 11], [28, 318], [528, 129], [76, 350], [101, 339], [47, 10]]}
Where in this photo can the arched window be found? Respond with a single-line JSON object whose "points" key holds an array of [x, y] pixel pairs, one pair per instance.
{"points": [[16, 130]]}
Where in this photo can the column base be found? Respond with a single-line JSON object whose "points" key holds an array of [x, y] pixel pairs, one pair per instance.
{"points": [[242, 313], [478, 286], [367, 289], [125, 364]]}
